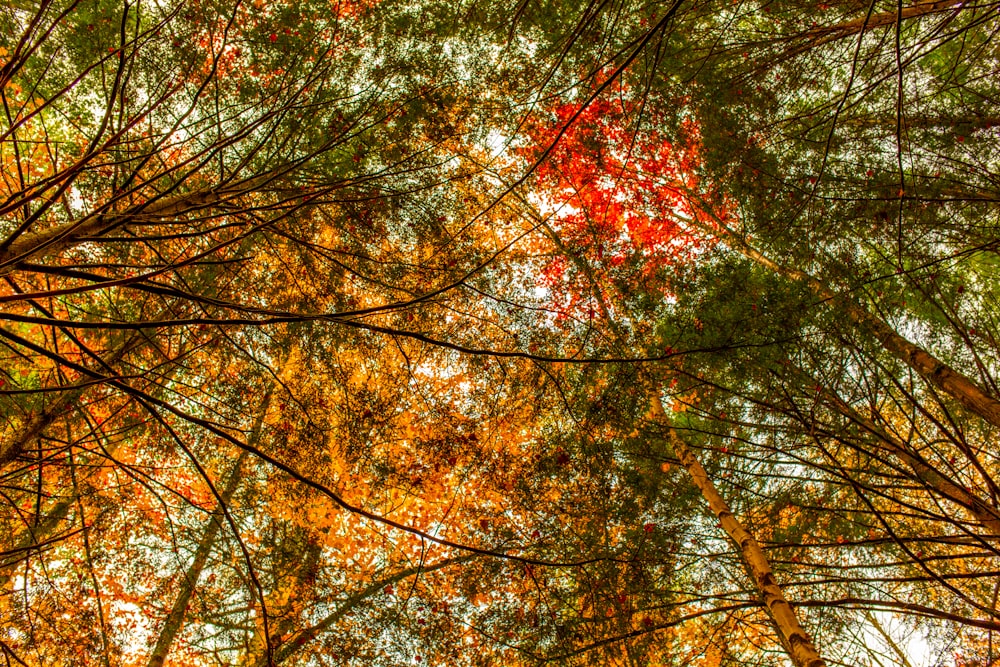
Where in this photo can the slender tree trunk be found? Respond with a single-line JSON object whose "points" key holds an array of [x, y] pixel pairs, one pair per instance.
{"points": [[35, 426], [904, 660], [89, 556], [794, 638], [283, 608], [299, 639], [44, 531], [54, 240], [847, 28], [175, 619], [930, 122], [986, 515], [33, 538], [821, 35], [929, 367]]}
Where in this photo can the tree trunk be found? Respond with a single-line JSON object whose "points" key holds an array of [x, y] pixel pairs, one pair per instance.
{"points": [[175, 619], [43, 532], [847, 28], [34, 427], [929, 367], [32, 539], [986, 515], [299, 639], [54, 240], [794, 638]]}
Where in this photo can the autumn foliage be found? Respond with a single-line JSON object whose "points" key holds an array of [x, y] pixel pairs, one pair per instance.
{"points": [[381, 333], [623, 196]]}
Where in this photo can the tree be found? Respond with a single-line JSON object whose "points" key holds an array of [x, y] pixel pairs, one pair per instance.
{"points": [[330, 332]]}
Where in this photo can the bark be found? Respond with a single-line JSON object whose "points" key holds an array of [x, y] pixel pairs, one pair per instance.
{"points": [[34, 427], [820, 35], [794, 638], [33, 539], [847, 28], [890, 642], [44, 531], [305, 577], [923, 122], [982, 511], [37, 424], [52, 241], [174, 621], [929, 367], [69, 394], [298, 640], [284, 598]]}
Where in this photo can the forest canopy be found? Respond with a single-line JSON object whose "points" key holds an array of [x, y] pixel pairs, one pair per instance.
{"points": [[358, 332]]}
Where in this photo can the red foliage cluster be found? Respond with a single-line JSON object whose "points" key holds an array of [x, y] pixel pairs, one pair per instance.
{"points": [[624, 196]]}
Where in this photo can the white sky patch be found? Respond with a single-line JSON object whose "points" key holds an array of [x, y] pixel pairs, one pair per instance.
{"points": [[901, 639], [497, 143]]}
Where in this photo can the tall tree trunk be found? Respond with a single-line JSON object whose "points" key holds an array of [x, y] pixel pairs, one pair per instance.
{"points": [[794, 638], [69, 394], [34, 538], [820, 35], [299, 639], [933, 370], [43, 532], [175, 619], [283, 606], [54, 240], [848, 28], [984, 513]]}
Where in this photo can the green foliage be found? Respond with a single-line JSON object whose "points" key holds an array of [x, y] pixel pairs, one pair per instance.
{"points": [[423, 267]]}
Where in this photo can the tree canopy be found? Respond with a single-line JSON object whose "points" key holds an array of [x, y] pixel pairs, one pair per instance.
{"points": [[468, 333]]}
